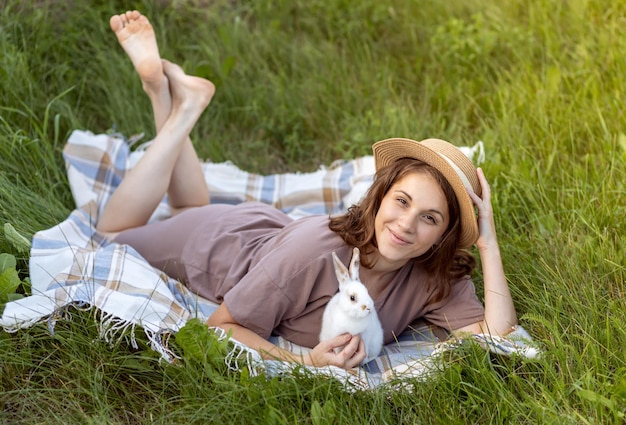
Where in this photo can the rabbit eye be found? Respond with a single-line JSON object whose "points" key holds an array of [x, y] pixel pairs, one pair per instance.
{"points": [[352, 298]]}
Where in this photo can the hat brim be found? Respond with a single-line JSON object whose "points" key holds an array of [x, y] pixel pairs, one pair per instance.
{"points": [[388, 151]]}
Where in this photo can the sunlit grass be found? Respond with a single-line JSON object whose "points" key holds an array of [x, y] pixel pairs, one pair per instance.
{"points": [[302, 83]]}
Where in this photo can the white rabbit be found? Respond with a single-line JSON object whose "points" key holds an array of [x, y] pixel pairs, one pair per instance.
{"points": [[351, 310]]}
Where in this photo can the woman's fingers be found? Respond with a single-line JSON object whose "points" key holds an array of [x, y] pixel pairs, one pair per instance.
{"points": [[484, 184], [486, 224], [350, 352], [482, 203]]}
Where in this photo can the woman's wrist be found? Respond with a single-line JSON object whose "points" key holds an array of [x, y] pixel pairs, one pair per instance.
{"points": [[488, 245]]}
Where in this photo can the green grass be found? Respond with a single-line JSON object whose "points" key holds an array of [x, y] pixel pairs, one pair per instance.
{"points": [[301, 83]]}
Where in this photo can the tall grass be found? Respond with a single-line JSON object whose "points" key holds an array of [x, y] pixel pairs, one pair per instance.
{"points": [[301, 83]]}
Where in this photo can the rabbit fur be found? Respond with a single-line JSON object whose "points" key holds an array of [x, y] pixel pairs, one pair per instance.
{"points": [[351, 310]]}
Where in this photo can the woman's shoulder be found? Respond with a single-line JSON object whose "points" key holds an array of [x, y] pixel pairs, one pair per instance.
{"points": [[309, 238], [314, 226]]}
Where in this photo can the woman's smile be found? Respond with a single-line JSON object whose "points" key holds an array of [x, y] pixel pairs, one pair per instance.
{"points": [[397, 239]]}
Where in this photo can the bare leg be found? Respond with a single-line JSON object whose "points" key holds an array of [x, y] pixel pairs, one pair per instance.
{"points": [[187, 186], [143, 187]]}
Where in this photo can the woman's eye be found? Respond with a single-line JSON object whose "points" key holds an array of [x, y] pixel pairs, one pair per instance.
{"points": [[402, 201], [430, 219]]}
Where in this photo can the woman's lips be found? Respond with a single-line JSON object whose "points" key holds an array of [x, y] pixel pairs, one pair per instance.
{"points": [[397, 239]]}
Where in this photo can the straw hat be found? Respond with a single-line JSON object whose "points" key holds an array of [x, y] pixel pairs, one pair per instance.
{"points": [[455, 166]]}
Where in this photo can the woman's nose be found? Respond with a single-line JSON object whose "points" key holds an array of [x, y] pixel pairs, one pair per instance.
{"points": [[407, 223]]}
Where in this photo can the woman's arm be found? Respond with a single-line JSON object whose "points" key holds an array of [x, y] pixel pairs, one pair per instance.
{"points": [[322, 355], [500, 316]]}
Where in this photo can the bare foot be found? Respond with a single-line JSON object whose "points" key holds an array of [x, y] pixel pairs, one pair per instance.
{"points": [[190, 94], [136, 36]]}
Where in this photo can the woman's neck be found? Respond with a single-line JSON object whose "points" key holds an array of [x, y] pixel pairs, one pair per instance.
{"points": [[381, 266], [376, 280]]}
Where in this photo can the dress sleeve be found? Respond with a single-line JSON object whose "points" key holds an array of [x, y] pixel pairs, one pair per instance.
{"points": [[258, 301], [291, 279], [460, 308]]}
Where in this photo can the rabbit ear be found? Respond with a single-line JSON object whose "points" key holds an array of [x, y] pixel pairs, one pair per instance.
{"points": [[341, 271], [355, 263]]}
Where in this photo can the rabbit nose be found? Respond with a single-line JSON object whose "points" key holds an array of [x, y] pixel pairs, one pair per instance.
{"points": [[364, 307]]}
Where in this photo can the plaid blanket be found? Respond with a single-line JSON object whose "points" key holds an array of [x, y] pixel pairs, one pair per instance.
{"points": [[71, 265]]}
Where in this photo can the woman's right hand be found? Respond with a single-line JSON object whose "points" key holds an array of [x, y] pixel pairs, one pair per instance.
{"points": [[350, 355]]}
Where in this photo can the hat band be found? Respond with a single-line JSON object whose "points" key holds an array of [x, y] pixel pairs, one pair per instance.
{"points": [[458, 171]]}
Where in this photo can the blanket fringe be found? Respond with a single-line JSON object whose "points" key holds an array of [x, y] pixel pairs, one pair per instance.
{"points": [[240, 353], [112, 329], [159, 342], [64, 313]]}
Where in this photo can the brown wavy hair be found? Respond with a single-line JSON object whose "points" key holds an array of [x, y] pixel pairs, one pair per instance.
{"points": [[445, 262]]}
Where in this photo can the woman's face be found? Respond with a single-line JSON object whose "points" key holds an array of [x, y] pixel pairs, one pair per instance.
{"points": [[413, 216]]}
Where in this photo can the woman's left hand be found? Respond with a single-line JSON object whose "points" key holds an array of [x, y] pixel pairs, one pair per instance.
{"points": [[486, 223]]}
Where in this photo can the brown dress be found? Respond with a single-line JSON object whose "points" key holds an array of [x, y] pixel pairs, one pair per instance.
{"points": [[276, 274]]}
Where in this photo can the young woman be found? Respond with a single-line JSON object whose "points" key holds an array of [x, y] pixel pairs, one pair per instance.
{"points": [[272, 275]]}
